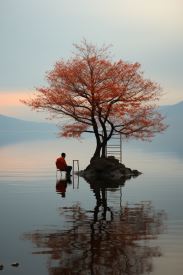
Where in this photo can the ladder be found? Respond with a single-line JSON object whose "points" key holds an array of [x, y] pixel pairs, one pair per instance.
{"points": [[115, 149]]}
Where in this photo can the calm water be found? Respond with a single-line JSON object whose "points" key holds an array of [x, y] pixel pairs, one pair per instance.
{"points": [[53, 227]]}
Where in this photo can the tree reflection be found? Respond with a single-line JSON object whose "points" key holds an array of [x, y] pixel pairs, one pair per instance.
{"points": [[102, 241]]}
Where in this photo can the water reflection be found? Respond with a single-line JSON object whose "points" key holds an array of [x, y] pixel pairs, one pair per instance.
{"points": [[101, 241], [61, 186]]}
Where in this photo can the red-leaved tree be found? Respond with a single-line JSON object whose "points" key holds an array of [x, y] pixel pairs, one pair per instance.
{"points": [[101, 97]]}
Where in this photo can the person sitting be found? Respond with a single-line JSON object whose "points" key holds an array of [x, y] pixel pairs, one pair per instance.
{"points": [[62, 165]]}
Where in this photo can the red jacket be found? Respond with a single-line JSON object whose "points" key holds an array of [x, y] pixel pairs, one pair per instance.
{"points": [[61, 163]]}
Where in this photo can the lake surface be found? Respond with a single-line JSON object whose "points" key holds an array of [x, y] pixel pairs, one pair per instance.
{"points": [[49, 226]]}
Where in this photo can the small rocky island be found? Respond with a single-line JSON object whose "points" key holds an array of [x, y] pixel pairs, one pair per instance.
{"points": [[108, 169]]}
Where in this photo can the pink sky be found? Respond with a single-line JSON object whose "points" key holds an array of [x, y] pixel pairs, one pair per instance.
{"points": [[12, 98], [12, 107]]}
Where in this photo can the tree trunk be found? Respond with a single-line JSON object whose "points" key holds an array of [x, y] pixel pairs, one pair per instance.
{"points": [[97, 136], [104, 144], [97, 151]]}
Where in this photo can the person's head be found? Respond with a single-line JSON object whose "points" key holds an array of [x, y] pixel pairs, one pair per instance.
{"points": [[63, 155]]}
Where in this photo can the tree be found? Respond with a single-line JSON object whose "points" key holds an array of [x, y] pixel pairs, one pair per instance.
{"points": [[100, 96]]}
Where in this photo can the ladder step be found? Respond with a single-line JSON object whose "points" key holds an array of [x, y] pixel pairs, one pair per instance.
{"points": [[114, 149], [115, 146]]}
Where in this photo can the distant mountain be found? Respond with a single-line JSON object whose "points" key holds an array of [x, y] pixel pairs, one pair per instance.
{"points": [[175, 110], [174, 116], [170, 140], [14, 124]]}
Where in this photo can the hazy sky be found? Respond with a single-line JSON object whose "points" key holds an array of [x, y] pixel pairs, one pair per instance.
{"points": [[36, 33]]}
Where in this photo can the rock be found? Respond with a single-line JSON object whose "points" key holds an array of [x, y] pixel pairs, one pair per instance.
{"points": [[15, 264], [135, 172], [108, 169], [1, 267]]}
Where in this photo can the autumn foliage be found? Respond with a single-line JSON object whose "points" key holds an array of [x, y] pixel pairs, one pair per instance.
{"points": [[100, 96]]}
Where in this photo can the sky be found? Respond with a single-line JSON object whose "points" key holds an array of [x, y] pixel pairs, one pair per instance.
{"points": [[36, 33]]}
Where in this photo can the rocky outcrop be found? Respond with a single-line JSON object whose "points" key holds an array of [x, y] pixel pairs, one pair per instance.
{"points": [[108, 169]]}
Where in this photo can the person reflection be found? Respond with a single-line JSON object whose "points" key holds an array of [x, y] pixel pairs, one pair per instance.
{"points": [[95, 244], [61, 186]]}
